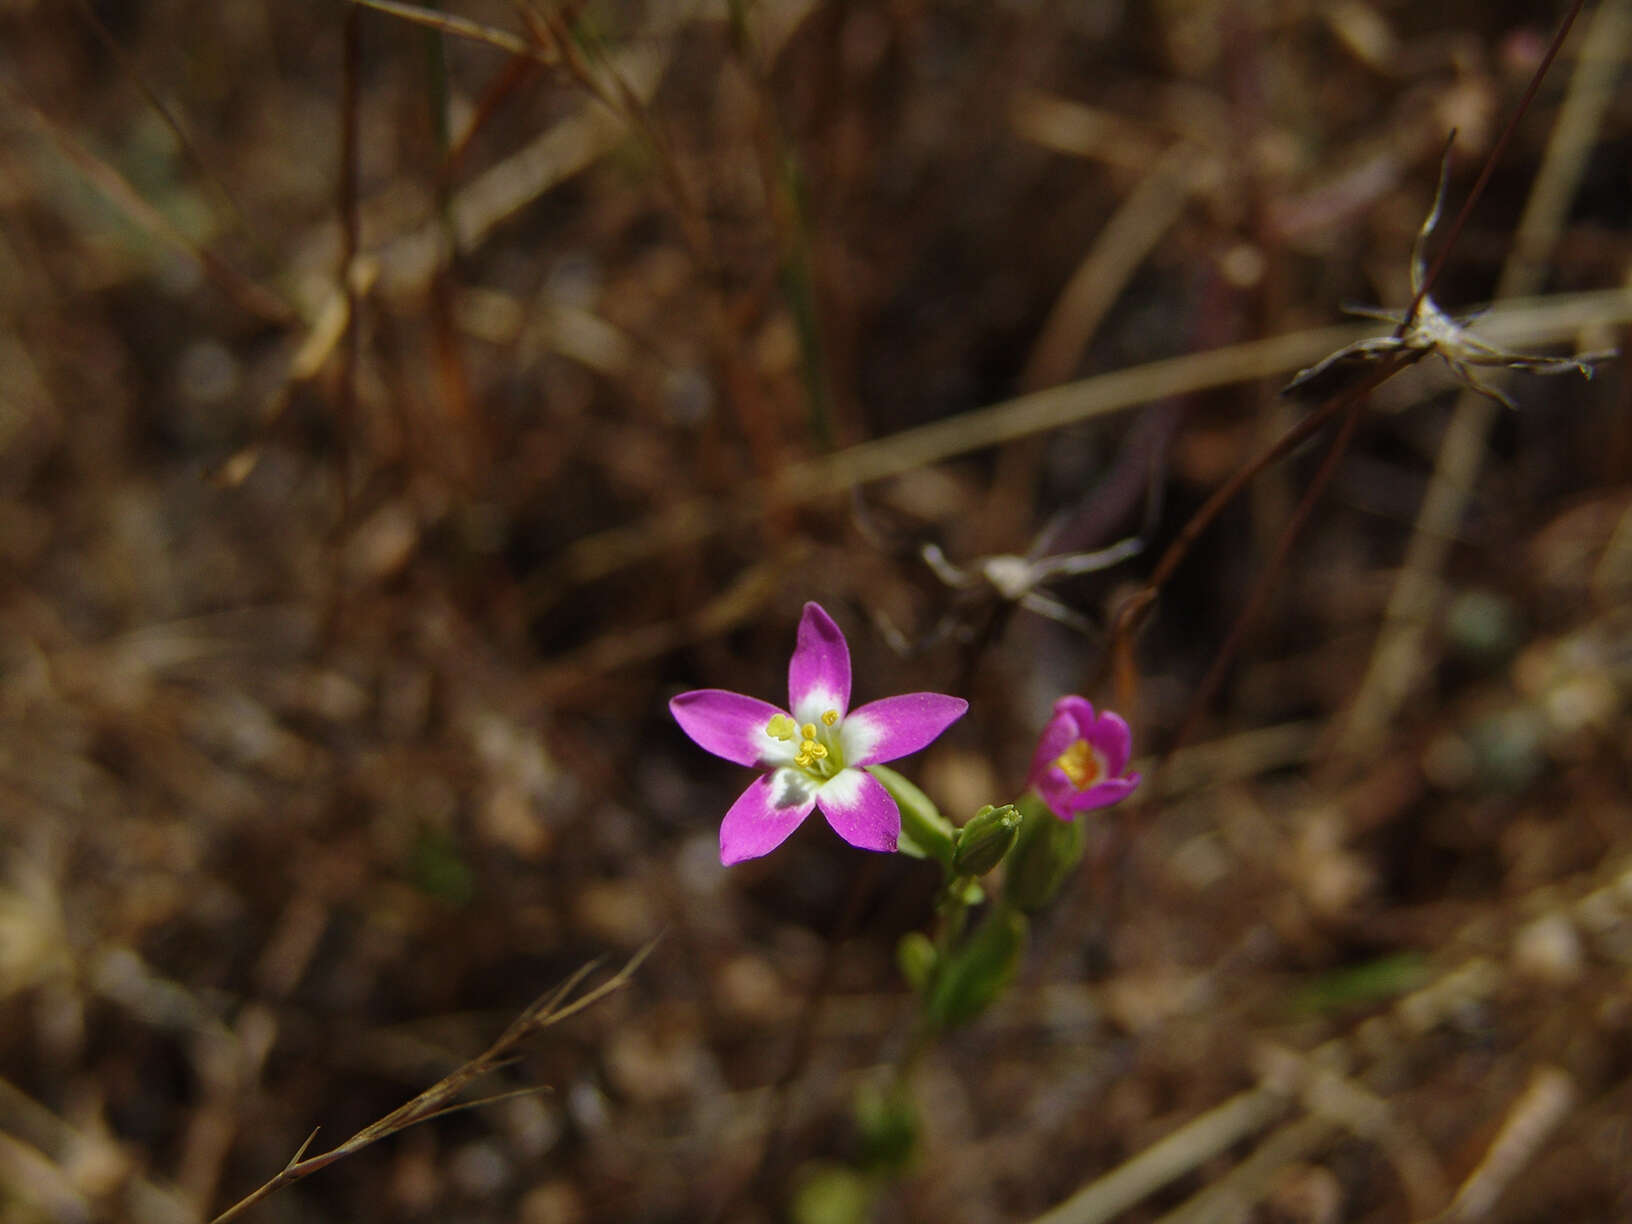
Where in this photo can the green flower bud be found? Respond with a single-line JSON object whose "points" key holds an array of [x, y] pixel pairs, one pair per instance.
{"points": [[925, 833], [973, 976], [986, 839], [1045, 854], [915, 956]]}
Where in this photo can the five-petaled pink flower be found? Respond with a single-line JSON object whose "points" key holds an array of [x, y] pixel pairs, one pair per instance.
{"points": [[1080, 758], [812, 754]]}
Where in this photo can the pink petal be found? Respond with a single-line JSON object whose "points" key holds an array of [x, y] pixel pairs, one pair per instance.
{"points": [[1103, 794], [860, 810], [1065, 800], [1057, 792], [819, 672], [1079, 709], [767, 812], [1059, 735], [1113, 741], [896, 726], [729, 725]]}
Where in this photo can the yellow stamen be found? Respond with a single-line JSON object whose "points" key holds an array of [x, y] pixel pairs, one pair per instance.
{"points": [[815, 756], [1080, 763]]}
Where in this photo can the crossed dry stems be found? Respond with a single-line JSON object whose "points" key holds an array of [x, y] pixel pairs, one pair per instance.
{"points": [[1425, 328]]}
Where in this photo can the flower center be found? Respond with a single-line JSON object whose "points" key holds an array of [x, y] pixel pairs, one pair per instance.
{"points": [[1080, 763], [818, 753]]}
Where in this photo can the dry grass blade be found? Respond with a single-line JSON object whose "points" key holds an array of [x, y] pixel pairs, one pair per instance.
{"points": [[1545, 1103], [1077, 130], [503, 190], [441, 1097], [1234, 1195], [1192, 1145], [1133, 231], [1332, 1096], [37, 1146], [463, 27], [1210, 1135], [608, 552]]}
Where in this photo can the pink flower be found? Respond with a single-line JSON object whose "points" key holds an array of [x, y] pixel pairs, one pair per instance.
{"points": [[1080, 759], [812, 757]]}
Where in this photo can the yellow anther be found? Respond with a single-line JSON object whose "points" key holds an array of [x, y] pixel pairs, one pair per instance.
{"points": [[818, 751], [1081, 764], [831, 717], [780, 727], [808, 731]]}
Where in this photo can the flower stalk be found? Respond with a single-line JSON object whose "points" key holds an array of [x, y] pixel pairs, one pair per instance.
{"points": [[819, 753]]}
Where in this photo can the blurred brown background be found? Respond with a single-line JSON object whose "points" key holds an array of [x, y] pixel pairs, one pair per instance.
{"points": [[333, 658]]}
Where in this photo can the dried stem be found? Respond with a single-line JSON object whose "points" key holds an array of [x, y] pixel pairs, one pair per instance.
{"points": [[440, 1097], [1490, 165], [1272, 571]]}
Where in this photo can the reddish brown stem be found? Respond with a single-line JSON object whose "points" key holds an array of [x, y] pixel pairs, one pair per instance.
{"points": [[1132, 614], [1489, 168], [1266, 581]]}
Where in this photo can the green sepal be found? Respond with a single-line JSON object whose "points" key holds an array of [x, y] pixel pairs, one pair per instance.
{"points": [[1045, 855], [973, 976], [984, 842], [925, 833]]}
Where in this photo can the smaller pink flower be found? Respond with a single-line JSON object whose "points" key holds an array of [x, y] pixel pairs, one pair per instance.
{"points": [[1080, 759], [811, 755]]}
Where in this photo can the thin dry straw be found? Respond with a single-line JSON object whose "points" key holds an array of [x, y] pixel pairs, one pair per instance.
{"points": [[1539, 321]]}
